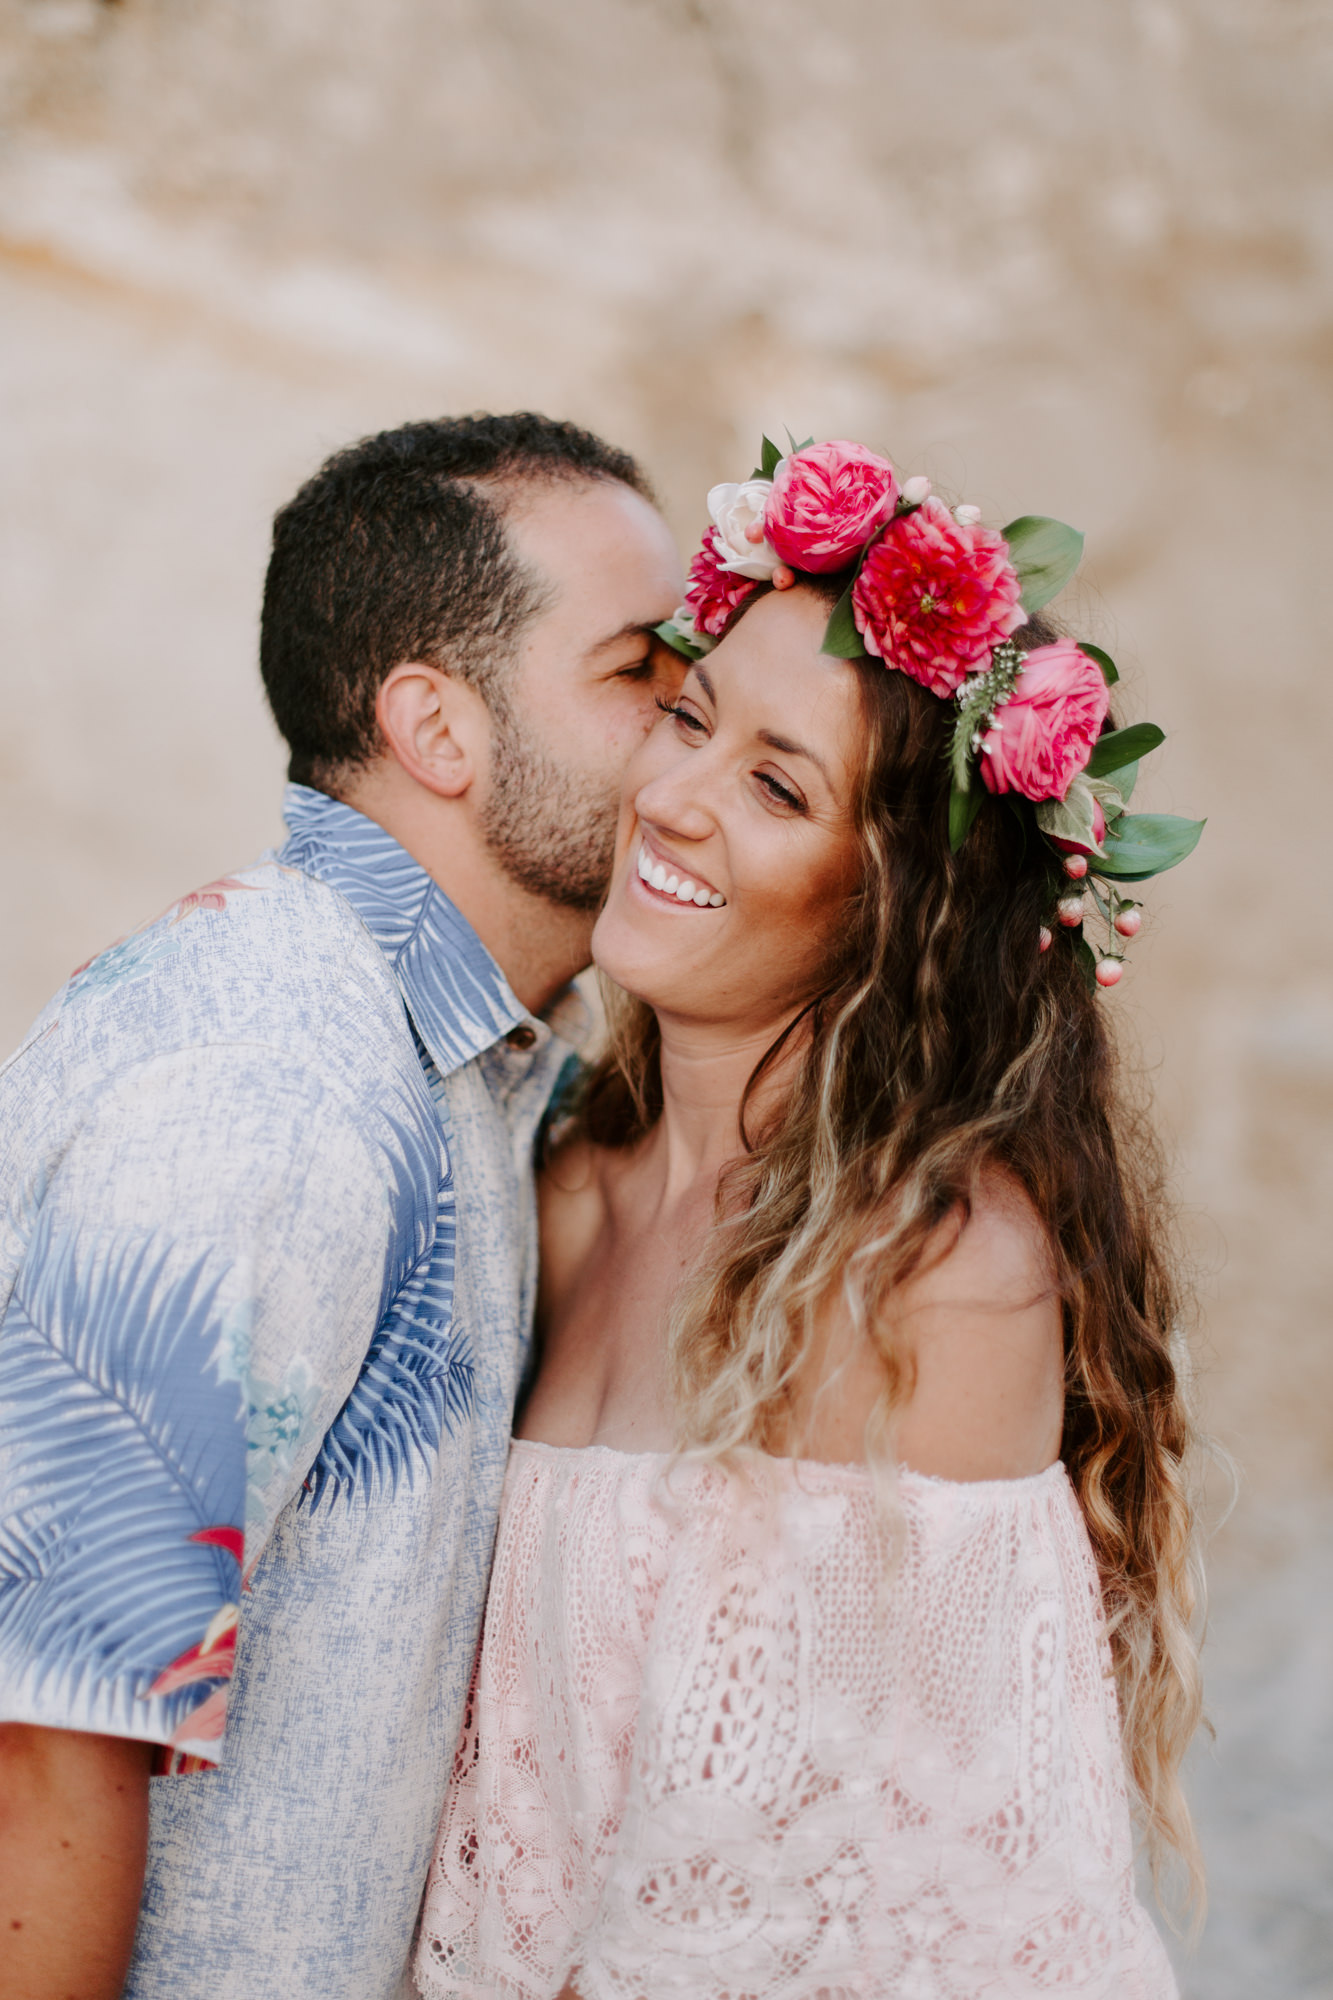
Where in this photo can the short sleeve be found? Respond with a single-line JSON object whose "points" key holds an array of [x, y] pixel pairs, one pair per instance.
{"points": [[211, 1253]]}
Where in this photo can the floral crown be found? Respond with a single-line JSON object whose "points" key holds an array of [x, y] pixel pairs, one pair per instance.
{"points": [[938, 596]]}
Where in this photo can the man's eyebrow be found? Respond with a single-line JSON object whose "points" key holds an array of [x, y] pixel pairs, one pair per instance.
{"points": [[696, 668], [793, 750], [633, 630]]}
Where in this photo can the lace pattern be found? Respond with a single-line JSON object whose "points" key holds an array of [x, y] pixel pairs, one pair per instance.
{"points": [[713, 1752]]}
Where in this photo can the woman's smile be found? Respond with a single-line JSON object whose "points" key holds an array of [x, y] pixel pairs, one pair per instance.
{"points": [[667, 882], [739, 802]]}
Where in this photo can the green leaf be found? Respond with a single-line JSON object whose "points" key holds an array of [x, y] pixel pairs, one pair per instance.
{"points": [[973, 719], [963, 809], [1123, 746], [1108, 796], [1125, 780], [768, 460], [1045, 553], [841, 637], [960, 749], [1146, 844], [1070, 818], [671, 635], [1110, 672], [797, 447]]}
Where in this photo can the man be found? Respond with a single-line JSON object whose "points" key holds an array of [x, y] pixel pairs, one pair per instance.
{"points": [[267, 1247]]}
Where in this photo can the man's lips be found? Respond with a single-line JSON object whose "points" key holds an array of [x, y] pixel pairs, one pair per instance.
{"points": [[671, 882]]}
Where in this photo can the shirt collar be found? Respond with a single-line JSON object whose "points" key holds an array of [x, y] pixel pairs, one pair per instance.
{"points": [[455, 992]]}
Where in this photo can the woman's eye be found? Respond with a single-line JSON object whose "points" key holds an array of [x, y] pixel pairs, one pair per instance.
{"points": [[685, 717], [781, 792]]}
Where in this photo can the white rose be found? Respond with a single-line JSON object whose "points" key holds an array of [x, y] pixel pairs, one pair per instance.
{"points": [[735, 508]]}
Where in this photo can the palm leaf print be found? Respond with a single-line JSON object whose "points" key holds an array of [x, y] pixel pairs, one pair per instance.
{"points": [[415, 1385], [119, 1445]]}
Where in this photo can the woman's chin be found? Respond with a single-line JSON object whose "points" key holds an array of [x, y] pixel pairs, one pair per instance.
{"points": [[625, 960], [647, 968]]}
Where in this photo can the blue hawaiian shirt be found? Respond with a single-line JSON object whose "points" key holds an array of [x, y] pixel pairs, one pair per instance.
{"points": [[267, 1266]]}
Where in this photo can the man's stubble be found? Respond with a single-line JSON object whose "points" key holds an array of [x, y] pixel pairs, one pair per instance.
{"points": [[551, 829]]}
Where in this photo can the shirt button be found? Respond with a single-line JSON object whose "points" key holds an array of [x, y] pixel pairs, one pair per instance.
{"points": [[521, 1037]]}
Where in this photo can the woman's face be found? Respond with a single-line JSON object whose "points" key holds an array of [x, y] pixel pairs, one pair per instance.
{"points": [[736, 850]]}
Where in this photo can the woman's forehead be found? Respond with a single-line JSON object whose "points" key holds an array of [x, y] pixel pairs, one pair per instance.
{"points": [[768, 674]]}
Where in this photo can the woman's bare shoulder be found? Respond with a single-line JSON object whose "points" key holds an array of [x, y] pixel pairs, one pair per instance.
{"points": [[978, 1327], [997, 1253], [984, 1326]]}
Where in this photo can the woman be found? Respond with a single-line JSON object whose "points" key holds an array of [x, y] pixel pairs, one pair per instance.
{"points": [[844, 1535]]}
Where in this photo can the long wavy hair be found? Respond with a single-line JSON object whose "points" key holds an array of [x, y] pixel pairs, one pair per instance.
{"points": [[944, 1045]]}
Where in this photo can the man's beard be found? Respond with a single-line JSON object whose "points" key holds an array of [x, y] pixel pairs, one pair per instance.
{"points": [[552, 831]]}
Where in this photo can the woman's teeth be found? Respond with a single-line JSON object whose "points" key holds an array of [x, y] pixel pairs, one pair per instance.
{"points": [[658, 877]]}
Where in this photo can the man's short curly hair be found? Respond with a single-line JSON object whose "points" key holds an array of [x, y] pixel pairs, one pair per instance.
{"points": [[397, 550]]}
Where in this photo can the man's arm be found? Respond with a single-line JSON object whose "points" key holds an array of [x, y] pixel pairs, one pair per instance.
{"points": [[73, 1837]]}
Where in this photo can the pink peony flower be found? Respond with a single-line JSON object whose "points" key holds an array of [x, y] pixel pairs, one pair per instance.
{"points": [[827, 502], [1046, 730], [934, 596], [713, 592]]}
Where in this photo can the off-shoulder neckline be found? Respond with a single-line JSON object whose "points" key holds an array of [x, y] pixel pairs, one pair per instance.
{"points": [[858, 1474]]}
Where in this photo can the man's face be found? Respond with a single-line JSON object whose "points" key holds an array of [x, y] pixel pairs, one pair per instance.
{"points": [[576, 704]]}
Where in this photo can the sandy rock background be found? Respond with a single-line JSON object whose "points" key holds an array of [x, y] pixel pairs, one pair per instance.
{"points": [[1065, 259]]}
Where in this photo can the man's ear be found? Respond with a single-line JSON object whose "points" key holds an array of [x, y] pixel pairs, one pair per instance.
{"points": [[434, 725]]}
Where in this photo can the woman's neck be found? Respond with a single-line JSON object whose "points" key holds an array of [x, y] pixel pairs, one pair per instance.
{"points": [[705, 1070]]}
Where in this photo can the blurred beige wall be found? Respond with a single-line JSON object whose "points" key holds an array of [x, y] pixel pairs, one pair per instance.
{"points": [[1065, 258]]}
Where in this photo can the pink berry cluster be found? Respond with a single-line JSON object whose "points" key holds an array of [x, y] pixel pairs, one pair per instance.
{"points": [[1123, 918]]}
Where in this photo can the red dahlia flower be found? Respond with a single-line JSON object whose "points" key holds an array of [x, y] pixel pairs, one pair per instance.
{"points": [[712, 592], [933, 597]]}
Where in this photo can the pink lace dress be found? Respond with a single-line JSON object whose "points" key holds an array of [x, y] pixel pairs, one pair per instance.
{"points": [[713, 1753]]}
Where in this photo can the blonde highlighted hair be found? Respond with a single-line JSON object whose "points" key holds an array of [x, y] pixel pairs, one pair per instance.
{"points": [[942, 1046]]}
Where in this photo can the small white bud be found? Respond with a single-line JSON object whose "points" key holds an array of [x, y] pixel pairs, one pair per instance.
{"points": [[967, 517], [916, 490]]}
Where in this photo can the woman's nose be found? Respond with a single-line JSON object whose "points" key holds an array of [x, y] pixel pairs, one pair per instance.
{"points": [[677, 799]]}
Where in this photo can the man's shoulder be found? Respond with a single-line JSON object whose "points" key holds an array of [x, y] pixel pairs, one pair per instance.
{"points": [[267, 957]]}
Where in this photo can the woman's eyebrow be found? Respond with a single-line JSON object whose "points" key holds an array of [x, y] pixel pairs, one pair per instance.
{"points": [[793, 750]]}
